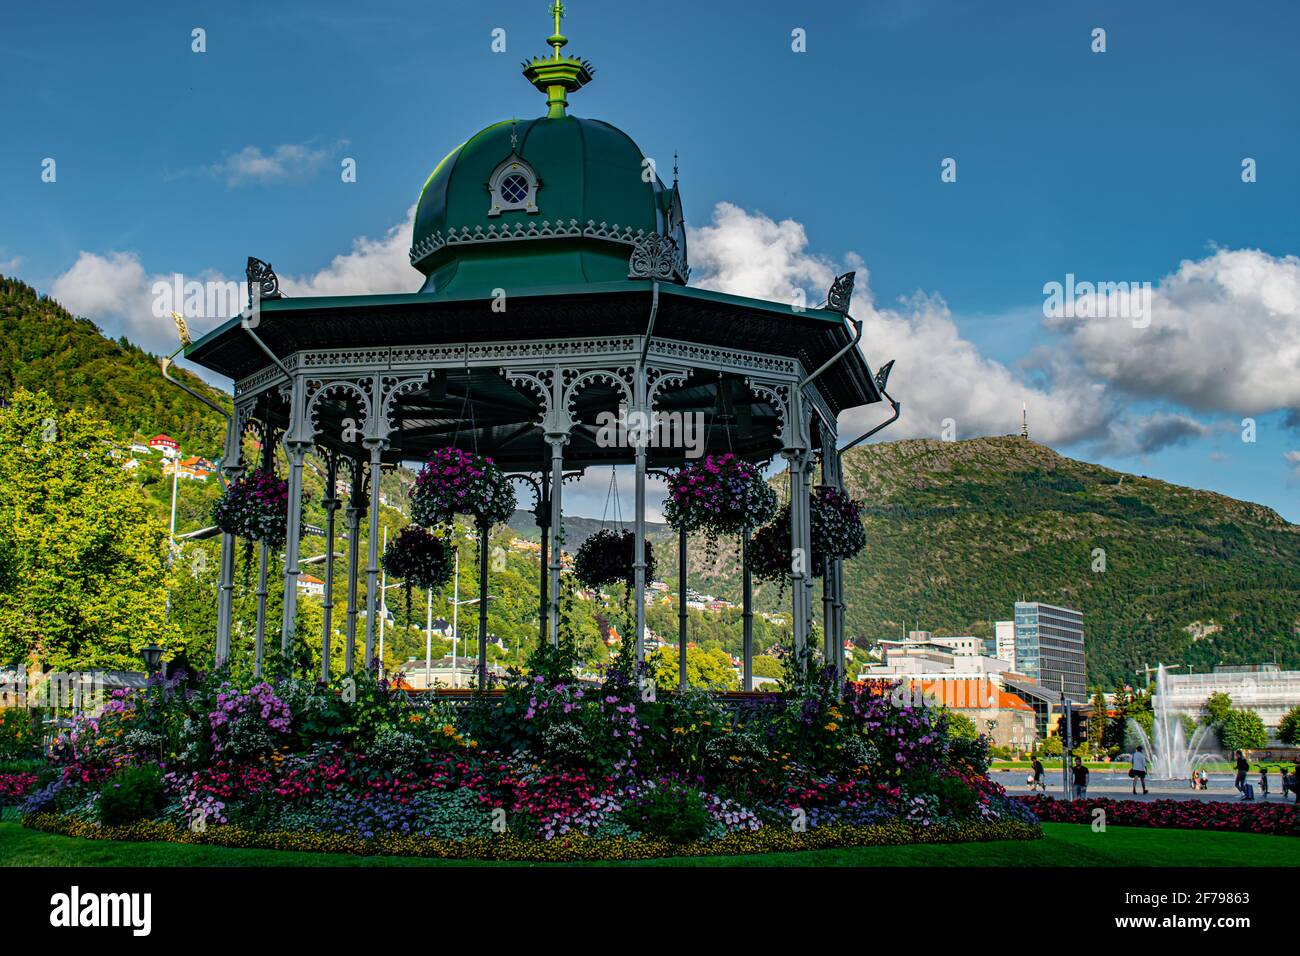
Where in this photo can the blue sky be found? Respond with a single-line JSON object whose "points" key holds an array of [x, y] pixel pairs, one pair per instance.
{"points": [[1114, 166]]}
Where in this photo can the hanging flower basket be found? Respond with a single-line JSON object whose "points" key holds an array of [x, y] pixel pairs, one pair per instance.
{"points": [[606, 558], [254, 507], [419, 560], [837, 531], [718, 495], [454, 482], [769, 549]]}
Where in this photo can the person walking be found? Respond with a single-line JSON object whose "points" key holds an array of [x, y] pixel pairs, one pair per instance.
{"points": [[1038, 776], [1139, 771], [1263, 781], [1080, 774], [1242, 767]]}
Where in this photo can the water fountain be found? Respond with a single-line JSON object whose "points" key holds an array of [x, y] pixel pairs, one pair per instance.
{"points": [[1170, 755]]}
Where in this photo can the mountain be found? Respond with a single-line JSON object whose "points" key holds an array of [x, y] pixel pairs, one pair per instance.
{"points": [[958, 531], [578, 529], [43, 347]]}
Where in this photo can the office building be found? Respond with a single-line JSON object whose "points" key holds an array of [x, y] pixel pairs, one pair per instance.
{"points": [[1049, 647]]}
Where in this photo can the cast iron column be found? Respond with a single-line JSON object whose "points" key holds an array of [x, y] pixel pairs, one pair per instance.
{"points": [[331, 505]]}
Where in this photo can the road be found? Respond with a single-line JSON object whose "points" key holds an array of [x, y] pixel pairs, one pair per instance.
{"points": [[1102, 783]]}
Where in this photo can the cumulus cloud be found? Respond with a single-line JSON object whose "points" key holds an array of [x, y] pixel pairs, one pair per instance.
{"points": [[374, 266], [1146, 434], [117, 292], [1224, 335], [287, 162], [1293, 459], [940, 374]]}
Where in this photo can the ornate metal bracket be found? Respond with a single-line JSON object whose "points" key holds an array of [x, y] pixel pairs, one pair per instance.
{"points": [[657, 257], [841, 294], [261, 275]]}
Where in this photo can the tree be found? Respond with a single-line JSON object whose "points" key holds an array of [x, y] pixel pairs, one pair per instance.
{"points": [[1098, 721], [960, 726], [710, 669], [765, 665], [1217, 708], [1288, 730], [1243, 730], [84, 559]]}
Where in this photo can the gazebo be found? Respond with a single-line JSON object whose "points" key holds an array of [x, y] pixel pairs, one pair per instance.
{"points": [[555, 296]]}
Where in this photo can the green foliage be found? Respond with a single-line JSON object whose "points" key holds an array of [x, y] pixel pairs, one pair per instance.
{"points": [[765, 665], [671, 812], [1243, 730], [1217, 708], [18, 735], [711, 669], [1288, 730], [81, 541], [960, 726], [131, 794], [44, 348]]}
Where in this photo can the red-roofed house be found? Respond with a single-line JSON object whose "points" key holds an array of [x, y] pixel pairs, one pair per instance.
{"points": [[169, 446]]}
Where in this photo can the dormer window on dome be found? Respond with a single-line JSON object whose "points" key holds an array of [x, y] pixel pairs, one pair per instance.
{"points": [[513, 186]]}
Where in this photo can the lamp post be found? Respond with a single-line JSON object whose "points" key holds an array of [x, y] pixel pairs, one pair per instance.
{"points": [[152, 655]]}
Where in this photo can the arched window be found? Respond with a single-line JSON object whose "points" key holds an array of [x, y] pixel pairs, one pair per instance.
{"points": [[513, 186]]}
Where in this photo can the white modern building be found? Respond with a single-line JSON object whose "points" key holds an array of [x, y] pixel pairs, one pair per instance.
{"points": [[1264, 688], [1004, 641]]}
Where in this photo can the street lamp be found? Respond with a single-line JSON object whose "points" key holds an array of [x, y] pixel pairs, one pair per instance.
{"points": [[152, 655]]}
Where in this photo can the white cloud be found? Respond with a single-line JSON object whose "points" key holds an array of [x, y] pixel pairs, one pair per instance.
{"points": [[116, 291], [938, 375], [374, 266], [1224, 335], [1293, 459], [284, 163]]}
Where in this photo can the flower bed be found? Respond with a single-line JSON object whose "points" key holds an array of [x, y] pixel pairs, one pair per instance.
{"points": [[554, 768], [507, 847], [1278, 819]]}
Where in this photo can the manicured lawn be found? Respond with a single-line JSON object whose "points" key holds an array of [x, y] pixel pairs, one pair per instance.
{"points": [[1063, 845]]}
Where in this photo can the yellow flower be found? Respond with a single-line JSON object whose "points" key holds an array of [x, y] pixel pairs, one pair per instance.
{"points": [[832, 726]]}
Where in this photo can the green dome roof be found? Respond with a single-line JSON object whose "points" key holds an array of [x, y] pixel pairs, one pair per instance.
{"points": [[548, 201]]}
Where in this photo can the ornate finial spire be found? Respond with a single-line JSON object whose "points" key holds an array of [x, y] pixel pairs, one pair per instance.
{"points": [[514, 135], [674, 167], [557, 75], [557, 39]]}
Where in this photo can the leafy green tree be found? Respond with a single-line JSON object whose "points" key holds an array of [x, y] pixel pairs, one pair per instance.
{"points": [[960, 726], [1217, 708], [711, 669], [1098, 722], [85, 560], [1243, 730], [765, 665], [1288, 731]]}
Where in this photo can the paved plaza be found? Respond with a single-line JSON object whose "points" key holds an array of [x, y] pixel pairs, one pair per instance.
{"points": [[1117, 785]]}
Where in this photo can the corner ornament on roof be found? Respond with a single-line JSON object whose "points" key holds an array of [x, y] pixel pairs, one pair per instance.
{"points": [[841, 294], [655, 256], [263, 277]]}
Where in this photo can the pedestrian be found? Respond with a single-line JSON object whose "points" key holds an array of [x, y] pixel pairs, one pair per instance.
{"points": [[1139, 771], [1242, 767], [1080, 779], [1038, 776], [1263, 781]]}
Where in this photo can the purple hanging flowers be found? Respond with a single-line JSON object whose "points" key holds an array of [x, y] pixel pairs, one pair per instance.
{"points": [[718, 495], [454, 482], [254, 507]]}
